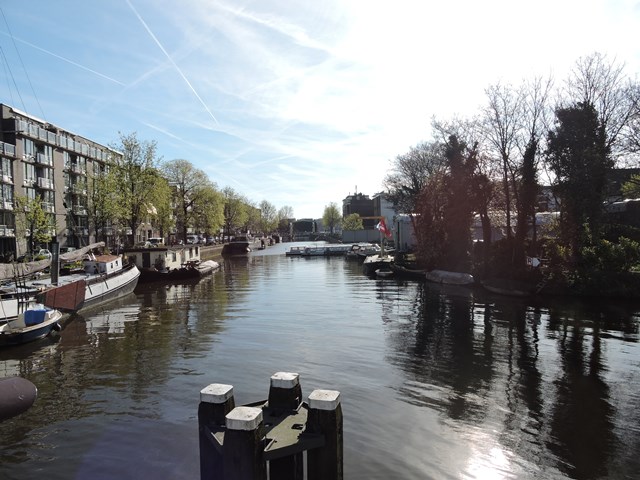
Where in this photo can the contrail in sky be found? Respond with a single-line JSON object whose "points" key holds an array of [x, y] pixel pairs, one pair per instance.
{"points": [[171, 60], [69, 61]]}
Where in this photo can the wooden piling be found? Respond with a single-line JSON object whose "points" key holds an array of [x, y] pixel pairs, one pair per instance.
{"points": [[244, 443], [270, 437], [216, 401], [285, 395], [285, 392], [325, 417]]}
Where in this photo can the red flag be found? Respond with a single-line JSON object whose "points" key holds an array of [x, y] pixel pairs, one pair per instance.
{"points": [[382, 226]]}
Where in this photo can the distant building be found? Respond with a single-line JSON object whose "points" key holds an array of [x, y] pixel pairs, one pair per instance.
{"points": [[362, 205]]}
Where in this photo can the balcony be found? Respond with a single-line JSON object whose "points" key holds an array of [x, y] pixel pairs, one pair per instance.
{"points": [[7, 179], [79, 210], [80, 231], [7, 205], [45, 183], [48, 207], [79, 169], [28, 182], [43, 159], [79, 189], [6, 231], [8, 149]]}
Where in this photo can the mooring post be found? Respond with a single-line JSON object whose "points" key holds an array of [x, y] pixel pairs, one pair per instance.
{"points": [[285, 392], [243, 447], [325, 417], [216, 401], [285, 395]]}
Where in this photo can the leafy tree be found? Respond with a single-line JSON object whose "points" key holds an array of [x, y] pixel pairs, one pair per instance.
{"points": [[331, 217], [352, 222], [268, 217], [235, 210], [579, 157], [103, 205], [32, 221], [196, 204], [164, 219], [138, 178]]}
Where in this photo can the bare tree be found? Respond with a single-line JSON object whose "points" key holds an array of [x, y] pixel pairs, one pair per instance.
{"points": [[603, 84], [409, 174], [501, 122]]}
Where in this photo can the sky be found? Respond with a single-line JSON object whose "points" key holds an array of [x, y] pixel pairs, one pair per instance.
{"points": [[297, 102]]}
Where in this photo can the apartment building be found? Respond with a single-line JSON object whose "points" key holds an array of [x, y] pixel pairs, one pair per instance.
{"points": [[42, 161]]}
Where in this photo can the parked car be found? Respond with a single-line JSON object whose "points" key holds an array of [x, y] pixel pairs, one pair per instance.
{"points": [[43, 253], [211, 241], [67, 249], [192, 239]]}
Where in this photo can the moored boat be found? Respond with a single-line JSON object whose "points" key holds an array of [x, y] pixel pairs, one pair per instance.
{"points": [[170, 263], [34, 323], [104, 278], [237, 246], [375, 262], [295, 251], [406, 271], [384, 273], [449, 278]]}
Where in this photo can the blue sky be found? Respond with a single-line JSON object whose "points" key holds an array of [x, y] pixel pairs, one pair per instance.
{"points": [[296, 102]]}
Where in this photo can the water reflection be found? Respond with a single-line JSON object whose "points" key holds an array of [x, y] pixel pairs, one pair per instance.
{"points": [[487, 364]]}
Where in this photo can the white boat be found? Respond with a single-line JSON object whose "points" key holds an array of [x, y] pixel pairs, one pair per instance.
{"points": [[314, 251], [238, 246], [376, 262], [170, 263], [449, 278], [104, 278], [384, 273], [359, 251], [295, 251], [35, 322]]}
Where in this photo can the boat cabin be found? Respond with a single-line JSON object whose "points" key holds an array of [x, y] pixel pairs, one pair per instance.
{"points": [[164, 258], [103, 264]]}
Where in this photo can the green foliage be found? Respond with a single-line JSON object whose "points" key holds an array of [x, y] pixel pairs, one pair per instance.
{"points": [[352, 222], [33, 221], [631, 188], [579, 158], [138, 177], [606, 268], [331, 217], [235, 211]]}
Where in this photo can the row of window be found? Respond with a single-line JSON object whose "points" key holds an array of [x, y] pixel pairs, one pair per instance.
{"points": [[61, 140]]}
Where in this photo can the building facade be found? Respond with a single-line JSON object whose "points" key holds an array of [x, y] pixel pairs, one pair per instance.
{"points": [[40, 161]]}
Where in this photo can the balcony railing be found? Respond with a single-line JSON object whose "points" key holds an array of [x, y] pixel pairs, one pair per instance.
{"points": [[45, 183], [79, 210], [7, 231], [43, 159]]}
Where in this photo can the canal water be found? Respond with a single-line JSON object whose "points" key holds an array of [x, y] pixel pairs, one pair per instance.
{"points": [[437, 382]]}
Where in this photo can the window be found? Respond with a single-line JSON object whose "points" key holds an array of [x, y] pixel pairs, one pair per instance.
{"points": [[28, 147]]}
